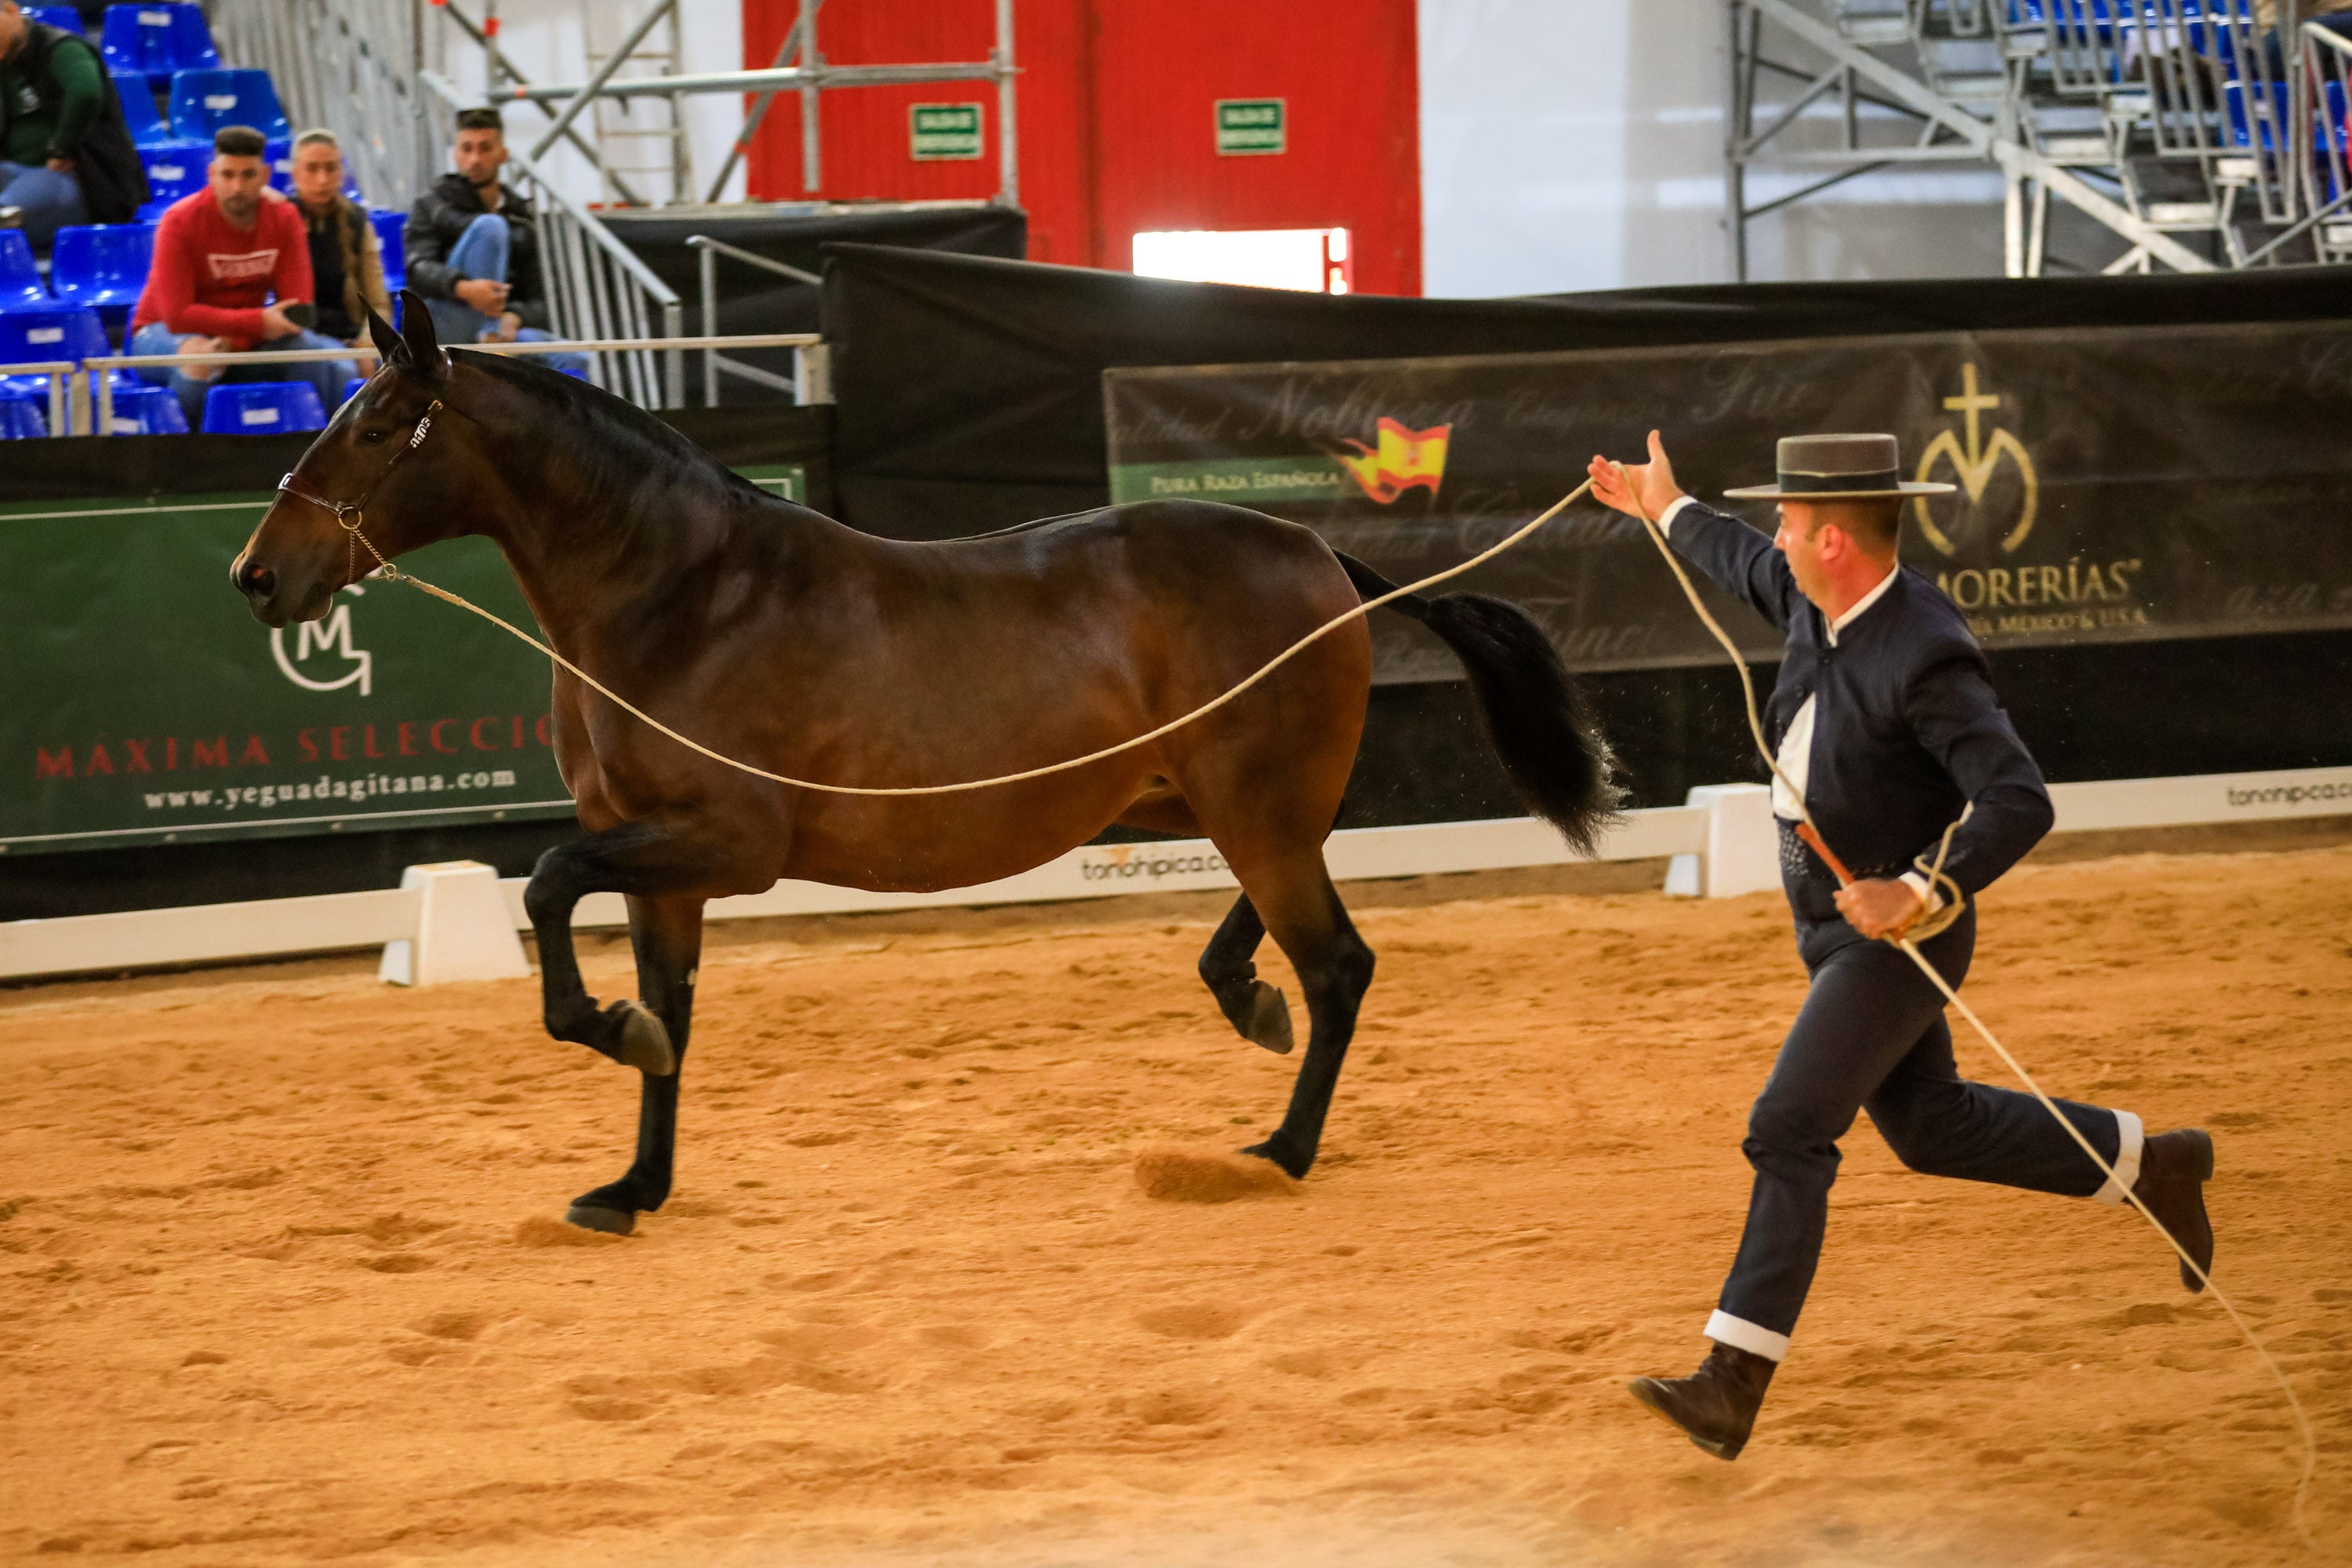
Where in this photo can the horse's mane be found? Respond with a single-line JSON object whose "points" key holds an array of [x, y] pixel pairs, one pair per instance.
{"points": [[612, 443]]}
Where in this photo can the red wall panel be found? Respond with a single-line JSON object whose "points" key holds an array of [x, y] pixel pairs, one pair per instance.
{"points": [[1116, 128], [1346, 72]]}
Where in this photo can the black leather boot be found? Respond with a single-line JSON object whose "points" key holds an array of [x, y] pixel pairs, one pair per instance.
{"points": [[1716, 1406], [2173, 1170]]}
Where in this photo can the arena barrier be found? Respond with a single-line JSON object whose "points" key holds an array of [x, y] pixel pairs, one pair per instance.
{"points": [[458, 920]]}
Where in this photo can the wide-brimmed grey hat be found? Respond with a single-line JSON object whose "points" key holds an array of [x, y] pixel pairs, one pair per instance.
{"points": [[1839, 467]]}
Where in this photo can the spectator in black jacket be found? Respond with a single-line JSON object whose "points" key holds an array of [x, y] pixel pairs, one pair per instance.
{"points": [[472, 249], [66, 155]]}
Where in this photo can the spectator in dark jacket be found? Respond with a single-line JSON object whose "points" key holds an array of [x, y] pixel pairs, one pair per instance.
{"points": [[66, 155], [472, 248]]}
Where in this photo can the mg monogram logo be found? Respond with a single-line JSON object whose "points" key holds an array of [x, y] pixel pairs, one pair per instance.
{"points": [[330, 634], [1974, 458]]}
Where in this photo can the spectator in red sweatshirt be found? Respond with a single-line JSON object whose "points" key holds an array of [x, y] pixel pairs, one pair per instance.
{"points": [[232, 273]]}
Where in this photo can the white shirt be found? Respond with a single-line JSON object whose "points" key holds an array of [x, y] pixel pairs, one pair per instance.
{"points": [[1795, 755]]}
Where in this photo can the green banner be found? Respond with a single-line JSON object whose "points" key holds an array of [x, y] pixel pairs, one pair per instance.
{"points": [[146, 705]]}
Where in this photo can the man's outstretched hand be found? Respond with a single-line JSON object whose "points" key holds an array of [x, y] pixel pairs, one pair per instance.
{"points": [[1647, 489]]}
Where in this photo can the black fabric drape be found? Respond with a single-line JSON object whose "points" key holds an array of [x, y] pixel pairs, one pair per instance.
{"points": [[970, 397]]}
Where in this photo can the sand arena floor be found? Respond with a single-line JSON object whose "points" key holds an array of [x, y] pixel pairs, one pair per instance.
{"points": [[283, 1284]]}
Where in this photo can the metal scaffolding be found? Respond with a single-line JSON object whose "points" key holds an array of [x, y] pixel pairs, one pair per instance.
{"points": [[2197, 134], [800, 68]]}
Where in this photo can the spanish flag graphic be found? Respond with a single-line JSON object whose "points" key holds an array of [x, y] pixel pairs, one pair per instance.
{"points": [[1404, 459]]}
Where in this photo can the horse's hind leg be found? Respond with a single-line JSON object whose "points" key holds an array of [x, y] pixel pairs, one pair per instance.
{"points": [[1257, 1011], [1302, 909], [668, 936]]}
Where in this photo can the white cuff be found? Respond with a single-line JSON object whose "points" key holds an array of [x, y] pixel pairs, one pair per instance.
{"points": [[1742, 1336], [1674, 509], [1931, 900], [2128, 1141]]}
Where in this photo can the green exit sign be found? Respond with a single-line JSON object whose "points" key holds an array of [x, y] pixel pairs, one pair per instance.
{"points": [[1248, 125], [936, 130]]}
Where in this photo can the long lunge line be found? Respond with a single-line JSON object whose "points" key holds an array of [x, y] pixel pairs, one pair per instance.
{"points": [[387, 569]]}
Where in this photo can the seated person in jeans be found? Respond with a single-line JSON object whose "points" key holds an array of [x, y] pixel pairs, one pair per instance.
{"points": [[220, 255], [346, 257], [66, 155], [472, 249]]}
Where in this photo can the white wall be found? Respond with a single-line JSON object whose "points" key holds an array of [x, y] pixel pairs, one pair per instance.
{"points": [[547, 42], [1576, 145]]}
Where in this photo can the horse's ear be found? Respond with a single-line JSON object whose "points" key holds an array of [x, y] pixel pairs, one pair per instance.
{"points": [[387, 342], [425, 355]]}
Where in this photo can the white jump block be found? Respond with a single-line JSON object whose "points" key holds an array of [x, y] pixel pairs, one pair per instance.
{"points": [[1743, 846], [464, 931]]}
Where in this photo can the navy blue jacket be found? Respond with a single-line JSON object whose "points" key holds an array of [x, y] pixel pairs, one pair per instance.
{"points": [[1907, 730]]}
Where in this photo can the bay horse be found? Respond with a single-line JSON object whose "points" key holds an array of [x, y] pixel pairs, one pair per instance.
{"points": [[780, 637]]}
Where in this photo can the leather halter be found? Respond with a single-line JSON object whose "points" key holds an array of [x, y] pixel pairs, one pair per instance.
{"points": [[350, 514]]}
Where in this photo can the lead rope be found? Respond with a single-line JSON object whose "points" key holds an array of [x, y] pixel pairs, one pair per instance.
{"points": [[393, 573], [1904, 940]]}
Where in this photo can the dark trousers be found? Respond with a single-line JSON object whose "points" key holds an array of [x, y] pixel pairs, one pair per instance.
{"points": [[1872, 1035]]}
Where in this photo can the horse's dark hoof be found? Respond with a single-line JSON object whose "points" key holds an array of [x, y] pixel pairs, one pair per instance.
{"points": [[1274, 1151], [612, 1221], [1269, 1020], [645, 1043]]}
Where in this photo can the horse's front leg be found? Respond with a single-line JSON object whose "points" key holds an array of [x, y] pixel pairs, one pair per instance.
{"points": [[647, 858], [668, 936], [641, 858]]}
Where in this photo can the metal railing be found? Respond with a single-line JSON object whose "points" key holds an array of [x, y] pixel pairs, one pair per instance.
{"points": [[801, 386], [93, 378], [2325, 79], [597, 288], [2182, 126], [65, 384]]}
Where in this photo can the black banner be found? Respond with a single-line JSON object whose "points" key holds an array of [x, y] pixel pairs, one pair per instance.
{"points": [[2115, 485]]}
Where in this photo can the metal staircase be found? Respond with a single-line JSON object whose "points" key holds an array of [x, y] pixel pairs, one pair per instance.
{"points": [[643, 142], [2192, 134]]}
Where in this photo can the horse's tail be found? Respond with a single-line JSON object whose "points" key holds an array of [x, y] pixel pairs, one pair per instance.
{"points": [[1536, 716]]}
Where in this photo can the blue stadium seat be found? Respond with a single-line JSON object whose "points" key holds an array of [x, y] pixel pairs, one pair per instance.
{"points": [[144, 410], [263, 408], [2233, 98], [389, 224], [23, 418], [57, 333], [352, 389], [203, 101], [20, 280], [103, 266], [64, 16], [172, 173], [157, 40], [148, 126]]}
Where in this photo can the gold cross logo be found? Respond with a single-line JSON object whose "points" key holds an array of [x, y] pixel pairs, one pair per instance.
{"points": [[1974, 462]]}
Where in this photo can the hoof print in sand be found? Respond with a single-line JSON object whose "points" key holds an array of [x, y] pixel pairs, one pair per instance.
{"points": [[542, 1230], [1209, 1176]]}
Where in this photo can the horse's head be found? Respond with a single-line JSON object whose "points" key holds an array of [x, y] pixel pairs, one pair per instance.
{"points": [[359, 485]]}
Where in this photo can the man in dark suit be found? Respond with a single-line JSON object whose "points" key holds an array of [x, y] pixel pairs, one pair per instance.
{"points": [[1884, 727]]}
